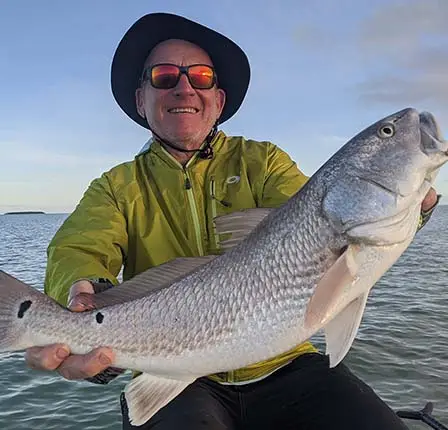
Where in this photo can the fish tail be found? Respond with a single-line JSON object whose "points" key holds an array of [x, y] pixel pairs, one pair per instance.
{"points": [[17, 301]]}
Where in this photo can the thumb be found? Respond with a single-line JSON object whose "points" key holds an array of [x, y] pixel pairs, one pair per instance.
{"points": [[78, 296], [430, 200]]}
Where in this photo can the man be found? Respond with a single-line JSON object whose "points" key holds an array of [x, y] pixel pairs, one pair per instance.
{"points": [[181, 80]]}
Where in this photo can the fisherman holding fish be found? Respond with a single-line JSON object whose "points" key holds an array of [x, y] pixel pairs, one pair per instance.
{"points": [[181, 81]]}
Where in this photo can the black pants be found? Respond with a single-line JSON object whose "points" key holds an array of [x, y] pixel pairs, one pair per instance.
{"points": [[304, 395]]}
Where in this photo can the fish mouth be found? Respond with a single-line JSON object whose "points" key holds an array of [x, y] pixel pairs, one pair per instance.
{"points": [[429, 124], [431, 140]]}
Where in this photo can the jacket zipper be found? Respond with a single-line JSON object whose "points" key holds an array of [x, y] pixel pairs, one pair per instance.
{"points": [[194, 211], [230, 376], [191, 201], [214, 211]]}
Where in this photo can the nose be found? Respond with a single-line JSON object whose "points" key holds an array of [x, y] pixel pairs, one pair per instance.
{"points": [[183, 87]]}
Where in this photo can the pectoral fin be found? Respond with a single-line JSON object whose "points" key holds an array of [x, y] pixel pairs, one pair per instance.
{"points": [[332, 308], [328, 293], [146, 394], [341, 330]]}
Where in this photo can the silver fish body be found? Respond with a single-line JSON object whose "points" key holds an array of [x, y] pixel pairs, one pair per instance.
{"points": [[285, 275]]}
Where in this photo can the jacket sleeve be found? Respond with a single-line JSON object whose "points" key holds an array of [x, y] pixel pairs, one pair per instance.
{"points": [[90, 244], [283, 178]]}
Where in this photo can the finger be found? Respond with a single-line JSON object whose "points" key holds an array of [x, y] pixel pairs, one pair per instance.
{"points": [[88, 365], [46, 358], [430, 200]]}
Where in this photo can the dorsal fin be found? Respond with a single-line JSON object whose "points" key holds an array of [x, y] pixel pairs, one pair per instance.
{"points": [[239, 225], [147, 282]]}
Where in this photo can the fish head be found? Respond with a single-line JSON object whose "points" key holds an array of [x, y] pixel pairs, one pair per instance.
{"points": [[383, 175], [401, 152]]}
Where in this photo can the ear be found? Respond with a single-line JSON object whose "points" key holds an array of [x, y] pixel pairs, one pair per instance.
{"points": [[139, 102], [220, 100]]}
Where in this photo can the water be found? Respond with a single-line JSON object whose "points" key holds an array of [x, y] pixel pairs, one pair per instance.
{"points": [[401, 349]]}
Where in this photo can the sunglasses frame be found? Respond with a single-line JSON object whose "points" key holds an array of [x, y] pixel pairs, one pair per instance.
{"points": [[183, 70]]}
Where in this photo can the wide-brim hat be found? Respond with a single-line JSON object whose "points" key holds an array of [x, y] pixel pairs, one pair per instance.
{"points": [[230, 61]]}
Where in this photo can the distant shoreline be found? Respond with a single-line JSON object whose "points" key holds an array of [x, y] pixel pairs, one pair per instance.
{"points": [[25, 213]]}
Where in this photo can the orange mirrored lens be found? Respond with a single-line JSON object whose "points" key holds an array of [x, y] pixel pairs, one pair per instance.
{"points": [[164, 76], [201, 76]]}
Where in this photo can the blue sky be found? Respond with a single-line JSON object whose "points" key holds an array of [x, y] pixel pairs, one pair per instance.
{"points": [[345, 63]]}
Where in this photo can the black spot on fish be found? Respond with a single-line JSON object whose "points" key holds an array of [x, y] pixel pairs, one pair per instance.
{"points": [[99, 317], [24, 306]]}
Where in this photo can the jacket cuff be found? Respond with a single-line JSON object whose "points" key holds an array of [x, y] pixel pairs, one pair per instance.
{"points": [[101, 284], [106, 376]]}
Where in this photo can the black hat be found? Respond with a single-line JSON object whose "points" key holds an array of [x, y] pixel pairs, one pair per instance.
{"points": [[230, 62]]}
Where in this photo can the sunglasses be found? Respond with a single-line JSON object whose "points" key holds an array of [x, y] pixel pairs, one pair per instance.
{"points": [[166, 76]]}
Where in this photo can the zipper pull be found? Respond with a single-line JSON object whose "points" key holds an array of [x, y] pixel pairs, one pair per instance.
{"points": [[187, 183], [224, 203]]}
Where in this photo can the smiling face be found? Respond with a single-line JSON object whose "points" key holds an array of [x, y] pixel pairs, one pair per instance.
{"points": [[181, 115]]}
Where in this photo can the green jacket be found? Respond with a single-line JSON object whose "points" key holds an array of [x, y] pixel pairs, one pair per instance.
{"points": [[150, 210]]}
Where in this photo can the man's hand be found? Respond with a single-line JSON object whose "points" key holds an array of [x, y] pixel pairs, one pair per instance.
{"points": [[57, 357]]}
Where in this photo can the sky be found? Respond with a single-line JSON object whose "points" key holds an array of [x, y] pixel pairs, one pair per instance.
{"points": [[321, 72]]}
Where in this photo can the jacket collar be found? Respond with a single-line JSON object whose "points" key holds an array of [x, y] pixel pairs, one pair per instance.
{"points": [[155, 147]]}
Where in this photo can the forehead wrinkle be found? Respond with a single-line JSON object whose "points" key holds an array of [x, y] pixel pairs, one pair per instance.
{"points": [[185, 58]]}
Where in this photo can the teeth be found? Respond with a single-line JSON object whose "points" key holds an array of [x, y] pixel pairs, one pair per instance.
{"points": [[182, 110]]}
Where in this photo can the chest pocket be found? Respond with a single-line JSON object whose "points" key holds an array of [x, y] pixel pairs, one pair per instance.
{"points": [[226, 195], [232, 193]]}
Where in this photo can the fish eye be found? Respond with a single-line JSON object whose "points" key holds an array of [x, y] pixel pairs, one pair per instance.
{"points": [[386, 130]]}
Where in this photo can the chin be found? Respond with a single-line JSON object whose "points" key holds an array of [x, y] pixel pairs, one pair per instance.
{"points": [[186, 136]]}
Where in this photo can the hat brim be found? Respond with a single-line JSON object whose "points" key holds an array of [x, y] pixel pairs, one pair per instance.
{"points": [[230, 62]]}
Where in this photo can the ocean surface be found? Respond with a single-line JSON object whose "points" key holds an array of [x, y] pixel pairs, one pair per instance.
{"points": [[401, 349]]}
